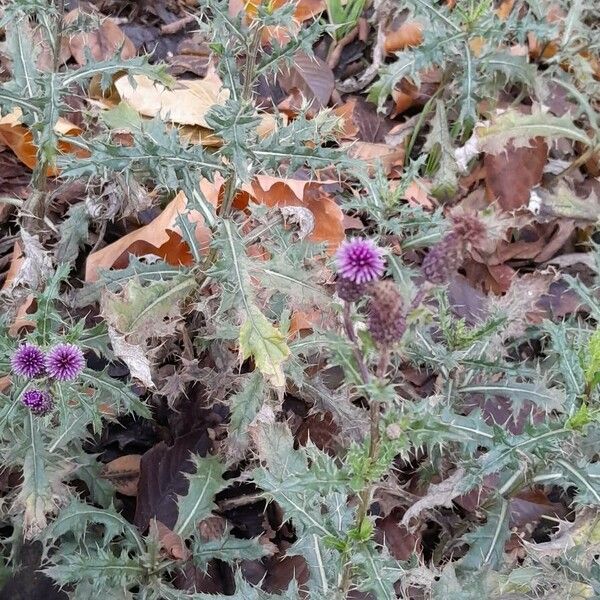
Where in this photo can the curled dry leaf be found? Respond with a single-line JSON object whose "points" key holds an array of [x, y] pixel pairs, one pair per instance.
{"points": [[133, 355], [171, 543], [123, 473], [19, 139], [102, 43], [160, 237], [272, 191], [438, 494], [187, 103]]}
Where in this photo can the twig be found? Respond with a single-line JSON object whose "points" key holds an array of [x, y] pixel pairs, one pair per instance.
{"points": [[354, 84], [175, 26]]}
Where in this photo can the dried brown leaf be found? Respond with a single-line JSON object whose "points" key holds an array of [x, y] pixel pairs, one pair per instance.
{"points": [[124, 473]]}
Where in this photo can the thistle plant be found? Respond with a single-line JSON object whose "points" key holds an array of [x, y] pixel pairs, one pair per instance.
{"points": [[206, 352]]}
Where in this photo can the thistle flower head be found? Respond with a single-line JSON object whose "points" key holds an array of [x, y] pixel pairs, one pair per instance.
{"points": [[387, 322], [360, 261], [37, 401], [64, 362], [28, 361]]}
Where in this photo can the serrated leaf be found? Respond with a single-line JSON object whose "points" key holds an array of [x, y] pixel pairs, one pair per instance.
{"points": [[142, 311], [198, 503], [487, 542], [73, 234], [266, 345], [229, 549], [244, 406], [519, 128], [77, 518], [117, 392]]}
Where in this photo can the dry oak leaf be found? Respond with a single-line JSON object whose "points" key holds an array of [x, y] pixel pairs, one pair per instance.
{"points": [[160, 237], [123, 473], [19, 139], [187, 103], [272, 191], [102, 43], [21, 319]]}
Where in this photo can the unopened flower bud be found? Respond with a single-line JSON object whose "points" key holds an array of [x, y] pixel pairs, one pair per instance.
{"points": [[386, 322]]}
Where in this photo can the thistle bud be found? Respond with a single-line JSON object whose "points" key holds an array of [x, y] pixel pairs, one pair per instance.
{"points": [[386, 321], [443, 259], [448, 254], [349, 290]]}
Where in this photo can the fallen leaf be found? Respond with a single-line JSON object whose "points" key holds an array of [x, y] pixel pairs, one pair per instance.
{"points": [[163, 477], [123, 473], [133, 355], [438, 494], [408, 35], [311, 76], [304, 10], [187, 103], [511, 175], [161, 237], [19, 139], [401, 543], [273, 191], [102, 43], [171, 543], [21, 319], [374, 154]]}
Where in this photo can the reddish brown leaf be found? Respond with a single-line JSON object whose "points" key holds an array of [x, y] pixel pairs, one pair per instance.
{"points": [[312, 77], [124, 473], [400, 542], [169, 542], [511, 175], [162, 478], [272, 191], [407, 35], [102, 43]]}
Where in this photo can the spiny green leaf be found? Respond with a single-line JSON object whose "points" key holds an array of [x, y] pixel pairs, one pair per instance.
{"points": [[487, 542], [198, 503], [142, 311], [520, 128]]}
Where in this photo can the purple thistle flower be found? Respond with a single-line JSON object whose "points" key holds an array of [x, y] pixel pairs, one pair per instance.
{"points": [[38, 402], [359, 260], [28, 361], [64, 362]]}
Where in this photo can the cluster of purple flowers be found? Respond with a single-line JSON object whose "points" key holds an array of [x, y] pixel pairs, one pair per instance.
{"points": [[63, 362], [360, 267]]}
